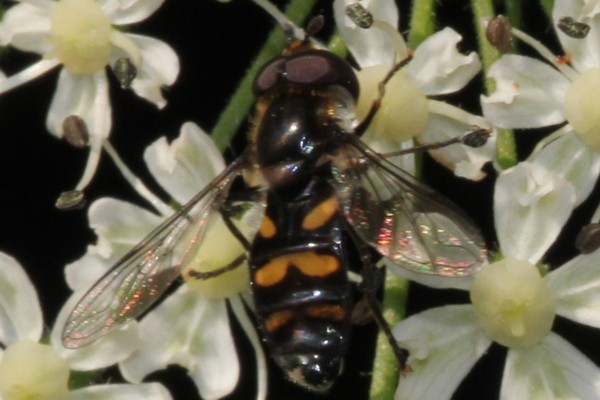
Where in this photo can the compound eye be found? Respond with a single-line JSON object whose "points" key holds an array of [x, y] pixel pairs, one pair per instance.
{"points": [[269, 76], [321, 68]]}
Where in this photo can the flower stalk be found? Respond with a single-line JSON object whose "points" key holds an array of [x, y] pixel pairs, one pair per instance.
{"points": [[422, 22], [483, 10]]}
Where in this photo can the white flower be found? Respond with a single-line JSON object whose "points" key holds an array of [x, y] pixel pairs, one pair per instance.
{"points": [[81, 36], [436, 68], [531, 93], [191, 326], [513, 305], [29, 369]]}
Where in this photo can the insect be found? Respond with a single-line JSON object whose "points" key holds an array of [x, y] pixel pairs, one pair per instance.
{"points": [[321, 200]]}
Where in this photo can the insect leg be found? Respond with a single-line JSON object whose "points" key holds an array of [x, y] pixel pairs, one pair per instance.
{"points": [[228, 210], [364, 125], [216, 272], [372, 276], [372, 280], [234, 230]]}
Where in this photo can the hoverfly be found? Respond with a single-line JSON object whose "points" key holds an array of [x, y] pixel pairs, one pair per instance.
{"points": [[320, 196]]}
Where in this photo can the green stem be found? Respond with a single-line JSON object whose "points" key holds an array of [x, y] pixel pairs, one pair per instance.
{"points": [[235, 114], [422, 22], [548, 5], [337, 46], [506, 148], [385, 367], [514, 12], [483, 10]]}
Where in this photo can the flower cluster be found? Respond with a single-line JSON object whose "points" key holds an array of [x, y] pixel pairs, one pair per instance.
{"points": [[192, 249], [85, 37]]}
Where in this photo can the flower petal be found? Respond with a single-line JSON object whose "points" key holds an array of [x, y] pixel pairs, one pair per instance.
{"points": [[529, 93], [585, 52], [186, 165], [576, 285], [145, 391], [26, 27], [119, 226], [438, 68], [160, 67], [85, 96], [443, 343], [124, 12], [551, 369], [380, 44], [106, 351], [198, 338], [447, 122], [570, 159], [20, 311], [531, 206]]}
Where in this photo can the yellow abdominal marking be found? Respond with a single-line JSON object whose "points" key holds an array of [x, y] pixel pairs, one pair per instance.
{"points": [[307, 262], [334, 312], [277, 319], [320, 214], [267, 228]]}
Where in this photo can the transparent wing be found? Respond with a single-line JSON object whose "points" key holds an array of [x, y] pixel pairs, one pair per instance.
{"points": [[138, 279], [403, 219]]}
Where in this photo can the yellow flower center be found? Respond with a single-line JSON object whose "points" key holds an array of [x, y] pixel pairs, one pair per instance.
{"points": [[217, 250], [404, 109], [80, 35], [582, 108], [512, 302], [33, 371]]}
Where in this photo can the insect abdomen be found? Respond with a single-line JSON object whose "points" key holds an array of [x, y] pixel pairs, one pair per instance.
{"points": [[300, 286]]}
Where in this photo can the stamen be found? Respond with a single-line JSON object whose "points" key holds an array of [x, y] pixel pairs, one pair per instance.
{"points": [[70, 200], [125, 72], [279, 17], [359, 15], [572, 28], [546, 53], [588, 238], [120, 40], [498, 33], [92, 163], [136, 182], [75, 131]]}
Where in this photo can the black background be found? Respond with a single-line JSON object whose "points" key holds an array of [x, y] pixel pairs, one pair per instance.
{"points": [[215, 43]]}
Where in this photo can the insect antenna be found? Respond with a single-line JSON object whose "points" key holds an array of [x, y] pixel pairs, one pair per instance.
{"points": [[476, 137]]}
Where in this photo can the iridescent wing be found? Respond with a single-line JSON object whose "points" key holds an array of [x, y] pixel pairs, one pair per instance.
{"points": [[403, 219], [138, 279]]}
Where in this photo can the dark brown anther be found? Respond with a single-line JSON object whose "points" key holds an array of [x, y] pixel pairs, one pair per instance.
{"points": [[125, 72], [588, 239], [75, 131], [71, 200], [359, 15], [315, 25], [572, 28], [498, 33]]}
